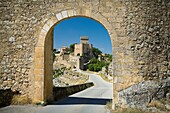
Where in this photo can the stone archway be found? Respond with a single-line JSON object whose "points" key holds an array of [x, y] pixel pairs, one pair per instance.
{"points": [[43, 50], [138, 30]]}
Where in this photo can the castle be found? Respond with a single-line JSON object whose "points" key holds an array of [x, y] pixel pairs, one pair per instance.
{"points": [[84, 48], [81, 56]]}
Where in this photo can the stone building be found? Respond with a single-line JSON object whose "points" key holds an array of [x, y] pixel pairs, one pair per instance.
{"points": [[64, 49], [84, 48], [82, 54], [83, 51]]}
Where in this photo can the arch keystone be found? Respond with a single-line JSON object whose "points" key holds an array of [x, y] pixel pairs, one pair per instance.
{"points": [[88, 12], [70, 13], [78, 11]]}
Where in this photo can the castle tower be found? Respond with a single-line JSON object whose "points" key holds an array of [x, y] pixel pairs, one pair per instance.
{"points": [[84, 40], [83, 48]]}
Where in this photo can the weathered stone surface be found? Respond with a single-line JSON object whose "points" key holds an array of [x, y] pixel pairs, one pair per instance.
{"points": [[139, 31], [139, 95], [147, 26]]}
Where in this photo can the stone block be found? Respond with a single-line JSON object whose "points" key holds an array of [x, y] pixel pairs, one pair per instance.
{"points": [[43, 34], [70, 13], [39, 65], [39, 55], [78, 11], [41, 42], [46, 27], [119, 20], [39, 72], [59, 16], [74, 13], [11, 39], [37, 76], [54, 20], [117, 25], [83, 11], [39, 49], [121, 33], [39, 60], [50, 23], [88, 12], [38, 92], [64, 14]]}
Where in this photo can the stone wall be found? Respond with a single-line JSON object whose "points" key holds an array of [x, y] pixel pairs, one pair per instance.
{"points": [[147, 28], [139, 31], [141, 94], [62, 92], [147, 23]]}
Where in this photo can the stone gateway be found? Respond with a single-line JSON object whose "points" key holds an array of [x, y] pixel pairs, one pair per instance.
{"points": [[139, 31]]}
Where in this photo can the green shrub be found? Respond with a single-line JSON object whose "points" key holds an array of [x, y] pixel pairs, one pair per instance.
{"points": [[58, 72], [96, 65]]}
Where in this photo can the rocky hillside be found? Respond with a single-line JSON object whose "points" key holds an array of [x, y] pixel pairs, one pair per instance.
{"points": [[67, 77]]}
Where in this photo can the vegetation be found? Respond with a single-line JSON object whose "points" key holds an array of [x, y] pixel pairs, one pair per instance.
{"points": [[96, 65], [20, 99], [105, 78], [160, 104], [54, 52], [96, 52], [59, 72], [108, 57], [72, 47]]}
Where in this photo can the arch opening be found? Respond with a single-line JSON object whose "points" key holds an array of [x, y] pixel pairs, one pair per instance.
{"points": [[44, 60]]}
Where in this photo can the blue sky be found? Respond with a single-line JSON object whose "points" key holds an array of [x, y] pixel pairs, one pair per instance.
{"points": [[69, 31]]}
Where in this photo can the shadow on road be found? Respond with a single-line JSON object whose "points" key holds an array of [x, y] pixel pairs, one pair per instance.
{"points": [[81, 100]]}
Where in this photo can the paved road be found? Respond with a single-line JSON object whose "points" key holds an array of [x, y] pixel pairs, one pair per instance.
{"points": [[91, 100]]}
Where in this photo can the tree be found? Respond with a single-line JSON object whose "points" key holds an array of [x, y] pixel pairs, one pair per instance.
{"points": [[96, 65], [93, 61], [96, 52], [91, 67], [54, 50], [72, 47], [109, 57]]}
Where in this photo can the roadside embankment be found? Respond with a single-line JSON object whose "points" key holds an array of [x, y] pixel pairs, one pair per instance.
{"points": [[61, 92]]}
